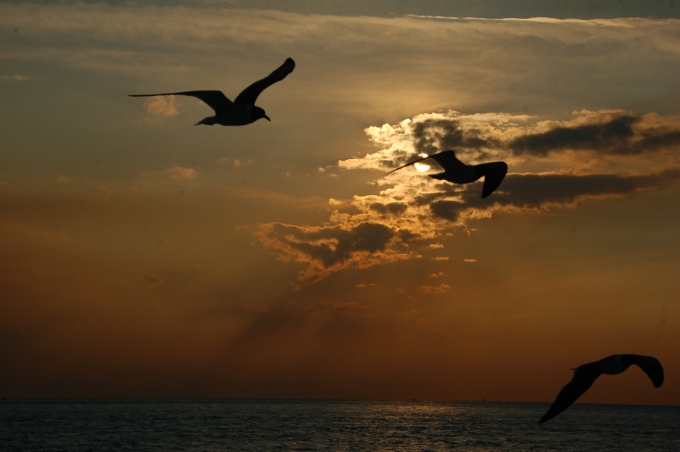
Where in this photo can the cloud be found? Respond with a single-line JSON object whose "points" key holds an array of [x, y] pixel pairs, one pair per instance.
{"points": [[328, 249], [434, 290], [479, 135], [16, 77], [615, 132], [447, 210], [542, 191], [179, 41], [484, 137], [180, 173], [412, 209], [433, 135], [392, 208], [161, 105], [363, 286], [500, 9]]}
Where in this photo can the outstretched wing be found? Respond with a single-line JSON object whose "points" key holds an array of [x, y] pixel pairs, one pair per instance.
{"points": [[407, 164], [651, 366], [215, 99], [584, 377], [249, 95], [443, 158], [494, 173]]}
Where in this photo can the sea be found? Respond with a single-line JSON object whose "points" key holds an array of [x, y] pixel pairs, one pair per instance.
{"points": [[330, 425]]}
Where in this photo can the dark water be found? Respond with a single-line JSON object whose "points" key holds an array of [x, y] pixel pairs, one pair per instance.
{"points": [[301, 425]]}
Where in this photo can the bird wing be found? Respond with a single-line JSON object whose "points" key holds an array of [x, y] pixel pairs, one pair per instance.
{"points": [[408, 164], [443, 158], [215, 99], [448, 161], [249, 95], [584, 377], [494, 173], [651, 366]]}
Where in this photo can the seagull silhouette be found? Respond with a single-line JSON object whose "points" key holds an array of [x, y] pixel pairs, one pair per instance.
{"points": [[242, 110], [458, 172], [586, 374]]}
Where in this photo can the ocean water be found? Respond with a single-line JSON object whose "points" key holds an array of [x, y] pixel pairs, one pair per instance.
{"points": [[319, 425]]}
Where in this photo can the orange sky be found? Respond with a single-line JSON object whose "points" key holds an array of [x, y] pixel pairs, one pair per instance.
{"points": [[141, 256]]}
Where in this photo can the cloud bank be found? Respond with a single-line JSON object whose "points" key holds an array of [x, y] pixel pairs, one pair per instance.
{"points": [[553, 164]]}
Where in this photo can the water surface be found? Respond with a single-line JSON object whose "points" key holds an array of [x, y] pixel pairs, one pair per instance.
{"points": [[314, 425]]}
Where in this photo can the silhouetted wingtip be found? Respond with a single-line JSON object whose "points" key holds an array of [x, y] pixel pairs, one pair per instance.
{"points": [[657, 381]]}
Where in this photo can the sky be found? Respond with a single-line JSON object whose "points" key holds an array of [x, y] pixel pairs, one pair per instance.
{"points": [[143, 256]]}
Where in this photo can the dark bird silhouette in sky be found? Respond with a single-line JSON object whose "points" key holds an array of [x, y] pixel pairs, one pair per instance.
{"points": [[242, 110], [458, 172], [586, 374]]}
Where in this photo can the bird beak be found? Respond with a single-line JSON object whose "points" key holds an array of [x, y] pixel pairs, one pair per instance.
{"points": [[267, 118]]}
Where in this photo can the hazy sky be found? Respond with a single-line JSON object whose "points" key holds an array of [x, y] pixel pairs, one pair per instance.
{"points": [[141, 256]]}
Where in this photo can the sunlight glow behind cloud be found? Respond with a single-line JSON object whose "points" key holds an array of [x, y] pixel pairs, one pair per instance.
{"points": [[416, 209]]}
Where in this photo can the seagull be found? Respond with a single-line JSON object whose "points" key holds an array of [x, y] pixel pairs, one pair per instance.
{"points": [[585, 376], [242, 110], [458, 172]]}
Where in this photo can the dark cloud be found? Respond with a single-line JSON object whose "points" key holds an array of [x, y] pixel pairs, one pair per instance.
{"points": [[538, 190], [392, 208], [406, 236], [624, 134], [335, 245], [608, 135], [658, 140], [447, 210], [434, 135]]}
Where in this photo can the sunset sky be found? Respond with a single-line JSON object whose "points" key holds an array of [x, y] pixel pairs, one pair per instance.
{"points": [[143, 256]]}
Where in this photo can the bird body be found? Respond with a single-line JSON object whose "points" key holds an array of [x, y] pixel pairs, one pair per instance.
{"points": [[459, 173], [242, 110], [613, 365], [586, 374]]}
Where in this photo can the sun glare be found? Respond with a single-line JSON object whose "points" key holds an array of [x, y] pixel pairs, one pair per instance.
{"points": [[422, 167]]}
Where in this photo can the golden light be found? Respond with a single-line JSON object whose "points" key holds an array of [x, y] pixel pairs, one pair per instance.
{"points": [[422, 167]]}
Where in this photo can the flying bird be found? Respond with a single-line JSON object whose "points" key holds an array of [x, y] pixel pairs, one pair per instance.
{"points": [[458, 172], [242, 110], [586, 374]]}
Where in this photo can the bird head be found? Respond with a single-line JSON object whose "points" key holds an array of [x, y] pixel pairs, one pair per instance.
{"points": [[258, 113]]}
